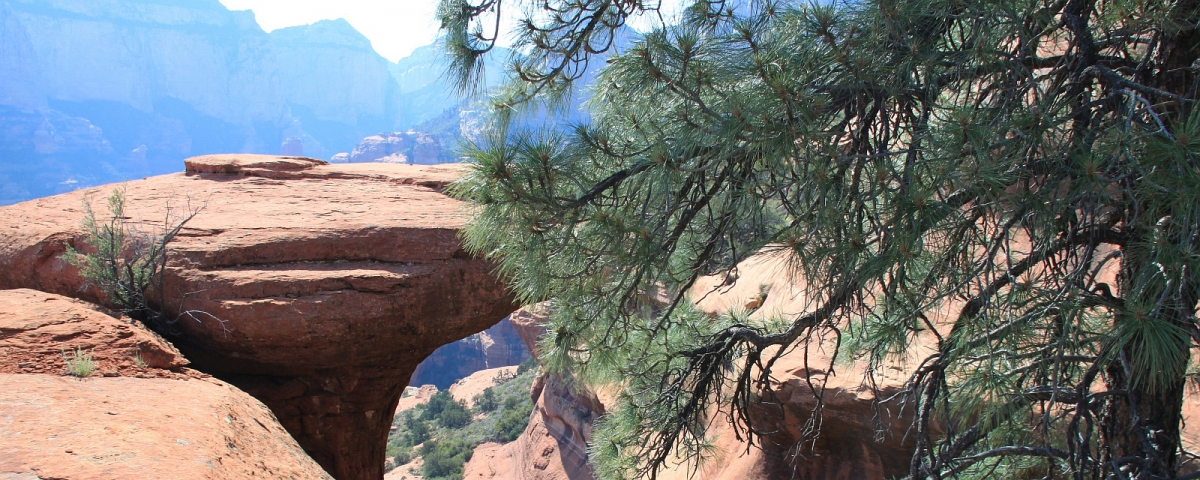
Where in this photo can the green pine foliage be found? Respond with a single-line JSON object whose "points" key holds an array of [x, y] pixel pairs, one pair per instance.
{"points": [[1032, 165], [444, 432]]}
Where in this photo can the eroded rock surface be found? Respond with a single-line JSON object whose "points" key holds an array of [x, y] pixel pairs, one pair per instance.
{"points": [[38, 329], [554, 444], [848, 448], [321, 286], [128, 420]]}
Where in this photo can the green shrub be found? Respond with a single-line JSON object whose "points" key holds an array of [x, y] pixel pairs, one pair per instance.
{"points": [[529, 364], [436, 404], [447, 411], [486, 401], [418, 430], [513, 418], [445, 458], [403, 456], [79, 364], [455, 417], [127, 263]]}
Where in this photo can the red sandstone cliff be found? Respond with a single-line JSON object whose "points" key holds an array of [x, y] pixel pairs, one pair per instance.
{"points": [[330, 283], [131, 419]]}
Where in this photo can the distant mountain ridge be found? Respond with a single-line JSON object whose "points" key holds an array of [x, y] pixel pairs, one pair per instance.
{"points": [[97, 91]]}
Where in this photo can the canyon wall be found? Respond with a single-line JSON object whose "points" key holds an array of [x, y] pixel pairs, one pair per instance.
{"points": [[96, 91], [498, 346]]}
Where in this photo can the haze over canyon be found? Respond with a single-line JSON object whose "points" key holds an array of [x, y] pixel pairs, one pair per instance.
{"points": [[93, 92]]}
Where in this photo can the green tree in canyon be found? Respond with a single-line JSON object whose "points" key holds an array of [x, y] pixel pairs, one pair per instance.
{"points": [[1031, 165]]}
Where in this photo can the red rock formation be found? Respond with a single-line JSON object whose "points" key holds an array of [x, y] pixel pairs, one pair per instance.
{"points": [[169, 423], [554, 444], [398, 147], [38, 329], [467, 388], [330, 283]]}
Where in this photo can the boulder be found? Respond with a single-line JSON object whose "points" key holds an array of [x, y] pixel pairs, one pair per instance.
{"points": [[316, 288], [131, 428], [37, 330], [130, 418]]}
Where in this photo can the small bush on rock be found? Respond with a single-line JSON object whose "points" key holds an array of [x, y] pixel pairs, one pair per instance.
{"points": [[79, 363], [127, 263]]}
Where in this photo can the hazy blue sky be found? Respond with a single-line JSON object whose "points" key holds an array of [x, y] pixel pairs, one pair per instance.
{"points": [[395, 27]]}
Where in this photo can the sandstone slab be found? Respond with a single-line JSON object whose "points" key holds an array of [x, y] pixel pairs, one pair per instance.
{"points": [[320, 287], [38, 329], [133, 428], [152, 418]]}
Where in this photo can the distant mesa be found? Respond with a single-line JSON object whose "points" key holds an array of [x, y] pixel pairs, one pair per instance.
{"points": [[398, 147], [292, 146]]}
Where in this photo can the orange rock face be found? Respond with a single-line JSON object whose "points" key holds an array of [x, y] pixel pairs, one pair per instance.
{"points": [[321, 286], [39, 329], [554, 444], [129, 420], [858, 439], [848, 447], [135, 428]]}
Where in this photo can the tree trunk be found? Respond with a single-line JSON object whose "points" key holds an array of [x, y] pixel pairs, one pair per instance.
{"points": [[1142, 426]]}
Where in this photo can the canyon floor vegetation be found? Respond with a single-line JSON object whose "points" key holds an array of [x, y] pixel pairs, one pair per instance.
{"points": [[1016, 182], [444, 432]]}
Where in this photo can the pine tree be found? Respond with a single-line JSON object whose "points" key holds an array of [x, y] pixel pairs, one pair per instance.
{"points": [[1033, 163]]}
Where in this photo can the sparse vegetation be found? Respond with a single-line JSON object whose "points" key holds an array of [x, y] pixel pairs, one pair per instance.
{"points": [[486, 402], [436, 431], [126, 262], [79, 363]]}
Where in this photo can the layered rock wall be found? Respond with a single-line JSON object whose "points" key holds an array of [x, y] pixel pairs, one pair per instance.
{"points": [[140, 414], [316, 288]]}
